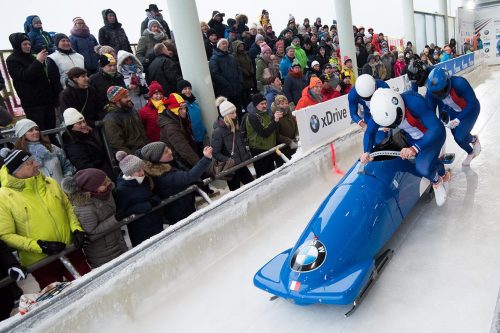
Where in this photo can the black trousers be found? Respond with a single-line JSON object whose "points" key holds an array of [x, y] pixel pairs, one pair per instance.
{"points": [[262, 166], [243, 176]]}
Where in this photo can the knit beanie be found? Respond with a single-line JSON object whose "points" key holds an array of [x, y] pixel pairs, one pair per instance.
{"points": [[279, 43], [259, 37], [315, 82], [257, 98], [58, 37], [22, 126], [72, 116], [106, 59], [14, 159], [264, 48], [153, 151], [226, 108], [346, 59], [291, 18], [314, 63], [211, 32], [76, 72], [220, 41], [115, 93], [181, 84], [174, 102], [90, 179], [279, 98], [151, 22], [155, 86], [129, 163]]}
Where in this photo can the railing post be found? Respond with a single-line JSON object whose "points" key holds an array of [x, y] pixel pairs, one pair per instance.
{"points": [[69, 266]]}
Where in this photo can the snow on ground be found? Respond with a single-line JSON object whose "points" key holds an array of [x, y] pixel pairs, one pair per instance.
{"points": [[444, 276]]}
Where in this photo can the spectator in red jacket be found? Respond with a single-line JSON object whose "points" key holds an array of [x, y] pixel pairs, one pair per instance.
{"points": [[149, 113], [399, 65], [311, 94]]}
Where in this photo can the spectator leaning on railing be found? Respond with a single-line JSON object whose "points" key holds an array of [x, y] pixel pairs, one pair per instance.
{"points": [[37, 218]]}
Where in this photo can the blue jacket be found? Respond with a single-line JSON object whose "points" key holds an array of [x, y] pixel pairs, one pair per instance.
{"points": [[197, 125], [421, 126], [285, 65], [354, 100], [446, 57], [39, 39], [460, 103], [85, 46]]}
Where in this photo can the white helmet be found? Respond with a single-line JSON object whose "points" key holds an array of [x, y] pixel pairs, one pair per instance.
{"points": [[387, 108], [365, 85]]}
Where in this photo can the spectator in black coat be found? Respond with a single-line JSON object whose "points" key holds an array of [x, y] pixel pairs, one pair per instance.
{"points": [[5, 116], [134, 195], [83, 145], [216, 23], [153, 13], [106, 77], [226, 75], [227, 142], [168, 180], [9, 266], [38, 96], [112, 33], [79, 94], [165, 68], [210, 42]]}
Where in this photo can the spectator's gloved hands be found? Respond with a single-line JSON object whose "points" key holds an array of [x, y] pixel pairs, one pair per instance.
{"points": [[80, 239], [51, 248], [293, 145], [17, 273], [454, 123]]}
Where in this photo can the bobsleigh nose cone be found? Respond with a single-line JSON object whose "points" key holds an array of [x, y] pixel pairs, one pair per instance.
{"points": [[309, 256]]}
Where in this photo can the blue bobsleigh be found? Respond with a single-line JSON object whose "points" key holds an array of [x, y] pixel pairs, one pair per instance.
{"points": [[341, 251]]}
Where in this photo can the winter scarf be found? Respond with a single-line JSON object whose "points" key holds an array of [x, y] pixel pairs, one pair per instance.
{"points": [[158, 105], [39, 152]]}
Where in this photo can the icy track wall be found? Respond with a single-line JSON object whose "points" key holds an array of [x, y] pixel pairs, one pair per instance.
{"points": [[106, 298], [115, 294]]}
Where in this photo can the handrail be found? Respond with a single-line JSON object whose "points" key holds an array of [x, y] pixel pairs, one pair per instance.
{"points": [[134, 217]]}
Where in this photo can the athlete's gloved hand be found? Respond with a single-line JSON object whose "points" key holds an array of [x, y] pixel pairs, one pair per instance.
{"points": [[17, 273], [454, 123], [51, 248], [365, 158], [80, 239]]}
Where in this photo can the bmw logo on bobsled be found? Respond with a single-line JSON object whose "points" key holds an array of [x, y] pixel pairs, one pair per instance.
{"points": [[342, 250]]}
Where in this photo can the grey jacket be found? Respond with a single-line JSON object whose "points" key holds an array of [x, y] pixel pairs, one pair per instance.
{"points": [[98, 216]]}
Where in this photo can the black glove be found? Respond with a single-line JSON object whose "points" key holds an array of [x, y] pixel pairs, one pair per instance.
{"points": [[17, 273], [80, 239], [51, 248]]}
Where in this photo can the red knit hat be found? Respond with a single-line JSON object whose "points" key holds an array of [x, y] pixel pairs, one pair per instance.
{"points": [[155, 86]]}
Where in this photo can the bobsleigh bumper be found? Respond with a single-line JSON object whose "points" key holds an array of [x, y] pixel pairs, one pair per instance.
{"points": [[312, 287]]}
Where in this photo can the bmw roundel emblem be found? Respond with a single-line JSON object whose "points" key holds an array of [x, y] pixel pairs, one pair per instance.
{"points": [[394, 101], [308, 256], [314, 123]]}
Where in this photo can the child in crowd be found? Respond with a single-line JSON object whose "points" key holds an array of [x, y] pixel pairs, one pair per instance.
{"points": [[133, 75]]}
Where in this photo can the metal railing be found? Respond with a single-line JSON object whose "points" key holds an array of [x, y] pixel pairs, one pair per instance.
{"points": [[62, 256]]}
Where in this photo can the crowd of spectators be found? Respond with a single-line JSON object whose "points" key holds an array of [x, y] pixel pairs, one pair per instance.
{"points": [[152, 122]]}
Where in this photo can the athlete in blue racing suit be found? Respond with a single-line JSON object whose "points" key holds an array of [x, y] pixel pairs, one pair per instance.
{"points": [[458, 107], [419, 126], [361, 94]]}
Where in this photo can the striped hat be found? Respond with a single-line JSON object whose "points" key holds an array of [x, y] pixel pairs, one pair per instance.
{"points": [[115, 93], [14, 159]]}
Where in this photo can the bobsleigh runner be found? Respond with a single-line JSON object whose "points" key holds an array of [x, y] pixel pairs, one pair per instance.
{"points": [[342, 250]]}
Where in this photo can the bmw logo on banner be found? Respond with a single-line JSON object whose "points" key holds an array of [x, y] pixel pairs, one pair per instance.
{"points": [[308, 256], [314, 123]]}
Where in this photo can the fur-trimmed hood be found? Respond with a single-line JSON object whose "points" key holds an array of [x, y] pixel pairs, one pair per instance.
{"points": [[156, 169]]}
